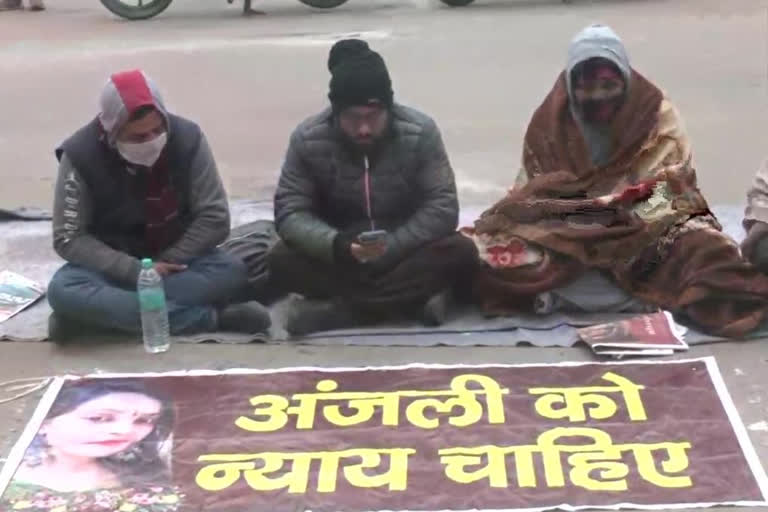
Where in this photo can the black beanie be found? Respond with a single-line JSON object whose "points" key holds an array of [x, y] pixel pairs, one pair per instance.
{"points": [[345, 49], [358, 75]]}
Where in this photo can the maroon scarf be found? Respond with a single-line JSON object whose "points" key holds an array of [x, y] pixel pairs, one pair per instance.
{"points": [[161, 208]]}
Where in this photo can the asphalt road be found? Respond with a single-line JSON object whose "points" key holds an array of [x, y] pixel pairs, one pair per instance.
{"points": [[479, 71], [250, 81]]}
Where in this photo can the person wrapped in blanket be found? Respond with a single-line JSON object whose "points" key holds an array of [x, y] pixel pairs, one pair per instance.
{"points": [[102, 446], [606, 214]]}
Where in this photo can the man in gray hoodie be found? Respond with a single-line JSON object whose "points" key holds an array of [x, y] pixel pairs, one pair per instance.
{"points": [[139, 182]]}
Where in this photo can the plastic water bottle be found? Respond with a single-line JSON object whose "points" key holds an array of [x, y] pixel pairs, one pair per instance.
{"points": [[154, 312]]}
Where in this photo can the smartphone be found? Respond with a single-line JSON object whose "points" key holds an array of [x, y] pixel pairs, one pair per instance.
{"points": [[371, 237]]}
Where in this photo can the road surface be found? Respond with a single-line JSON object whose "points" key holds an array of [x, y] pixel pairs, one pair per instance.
{"points": [[479, 71]]}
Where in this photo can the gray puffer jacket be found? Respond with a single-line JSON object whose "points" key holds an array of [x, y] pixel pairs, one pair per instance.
{"points": [[322, 187]]}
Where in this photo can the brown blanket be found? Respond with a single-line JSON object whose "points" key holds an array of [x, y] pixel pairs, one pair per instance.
{"points": [[640, 217]]}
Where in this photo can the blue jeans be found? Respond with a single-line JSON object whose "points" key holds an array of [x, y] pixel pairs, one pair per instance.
{"points": [[192, 295]]}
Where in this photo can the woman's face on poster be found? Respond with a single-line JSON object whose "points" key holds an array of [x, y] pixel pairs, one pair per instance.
{"points": [[104, 426]]}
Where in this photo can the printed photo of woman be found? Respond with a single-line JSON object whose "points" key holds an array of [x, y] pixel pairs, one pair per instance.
{"points": [[99, 448]]}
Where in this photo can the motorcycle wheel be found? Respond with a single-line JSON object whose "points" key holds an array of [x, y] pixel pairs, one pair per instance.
{"points": [[144, 10], [323, 4], [457, 3]]}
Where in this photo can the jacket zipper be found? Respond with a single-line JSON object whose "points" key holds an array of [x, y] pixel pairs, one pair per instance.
{"points": [[367, 186]]}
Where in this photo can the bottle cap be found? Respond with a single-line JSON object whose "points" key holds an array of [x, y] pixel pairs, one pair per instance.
{"points": [[147, 263]]}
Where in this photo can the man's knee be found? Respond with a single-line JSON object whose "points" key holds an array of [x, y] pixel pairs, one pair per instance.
{"points": [[219, 261], [465, 247], [460, 260], [457, 247], [233, 268], [232, 278], [290, 271], [220, 266], [65, 290], [214, 278], [58, 292], [282, 259]]}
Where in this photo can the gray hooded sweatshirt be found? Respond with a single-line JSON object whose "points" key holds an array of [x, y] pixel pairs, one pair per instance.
{"points": [[79, 208], [592, 42]]}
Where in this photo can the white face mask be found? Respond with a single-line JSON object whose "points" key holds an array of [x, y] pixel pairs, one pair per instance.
{"points": [[143, 153]]}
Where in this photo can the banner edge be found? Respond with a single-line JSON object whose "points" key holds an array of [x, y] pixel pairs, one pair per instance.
{"points": [[737, 424], [342, 369], [19, 448]]}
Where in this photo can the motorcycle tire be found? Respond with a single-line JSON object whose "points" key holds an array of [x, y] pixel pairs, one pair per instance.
{"points": [[457, 3], [151, 9], [323, 4]]}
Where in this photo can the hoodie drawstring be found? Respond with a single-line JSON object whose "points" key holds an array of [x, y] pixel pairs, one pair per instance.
{"points": [[367, 185]]}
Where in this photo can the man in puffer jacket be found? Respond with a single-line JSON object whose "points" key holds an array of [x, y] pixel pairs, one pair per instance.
{"points": [[139, 182], [366, 207]]}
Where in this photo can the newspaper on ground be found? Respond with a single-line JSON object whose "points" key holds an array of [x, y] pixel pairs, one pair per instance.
{"points": [[655, 334], [16, 293]]}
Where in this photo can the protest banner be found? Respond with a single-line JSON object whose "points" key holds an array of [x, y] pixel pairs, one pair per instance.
{"points": [[644, 435]]}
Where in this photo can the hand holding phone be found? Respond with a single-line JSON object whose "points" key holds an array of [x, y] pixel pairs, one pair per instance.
{"points": [[371, 237], [370, 246]]}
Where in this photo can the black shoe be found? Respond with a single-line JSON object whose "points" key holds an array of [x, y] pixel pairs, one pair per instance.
{"points": [[547, 303], [437, 307], [307, 316], [248, 317]]}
